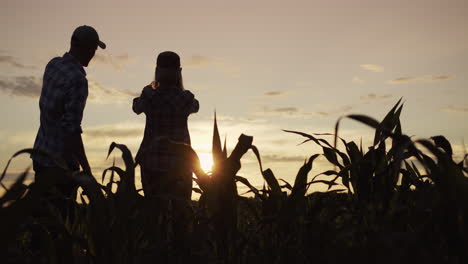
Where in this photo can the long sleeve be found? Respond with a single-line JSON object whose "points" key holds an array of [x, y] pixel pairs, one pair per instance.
{"points": [[191, 104], [74, 106], [140, 104], [195, 106]]}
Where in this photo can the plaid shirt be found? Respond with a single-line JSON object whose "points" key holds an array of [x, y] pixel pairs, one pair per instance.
{"points": [[167, 109], [63, 99]]}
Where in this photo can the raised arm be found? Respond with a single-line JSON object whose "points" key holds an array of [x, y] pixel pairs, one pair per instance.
{"points": [[141, 104], [195, 106], [192, 104]]}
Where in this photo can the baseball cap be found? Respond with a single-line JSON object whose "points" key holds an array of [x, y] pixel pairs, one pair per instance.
{"points": [[86, 36], [168, 59]]}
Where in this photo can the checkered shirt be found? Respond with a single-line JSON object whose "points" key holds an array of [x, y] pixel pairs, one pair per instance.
{"points": [[167, 109], [63, 99]]}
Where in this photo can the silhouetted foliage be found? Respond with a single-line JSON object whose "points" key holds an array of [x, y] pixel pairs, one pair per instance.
{"points": [[401, 202]]}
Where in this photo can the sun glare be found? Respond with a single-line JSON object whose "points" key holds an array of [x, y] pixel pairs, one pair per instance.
{"points": [[206, 161]]}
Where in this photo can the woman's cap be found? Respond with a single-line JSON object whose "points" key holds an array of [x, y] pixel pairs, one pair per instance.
{"points": [[168, 59], [86, 36]]}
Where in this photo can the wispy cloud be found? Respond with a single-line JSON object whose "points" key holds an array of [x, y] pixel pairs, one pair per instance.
{"points": [[425, 78], [292, 112], [456, 109], [273, 158], [282, 142], [404, 80], [13, 61], [357, 80], [275, 93], [197, 61], [221, 117], [114, 131], [372, 96], [98, 138], [104, 95], [339, 110], [284, 110], [118, 63], [221, 64], [28, 86], [372, 67]]}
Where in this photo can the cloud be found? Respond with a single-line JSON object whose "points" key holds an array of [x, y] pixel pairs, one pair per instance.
{"points": [[273, 158], [201, 130], [285, 110], [103, 95], [456, 109], [198, 61], [282, 142], [358, 80], [98, 138], [118, 63], [280, 110], [404, 80], [114, 132], [338, 110], [372, 67], [292, 112], [13, 61], [275, 93], [439, 78], [228, 118], [372, 96], [425, 78], [28, 86]]}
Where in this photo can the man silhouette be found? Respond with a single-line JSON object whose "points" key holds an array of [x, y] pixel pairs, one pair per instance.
{"points": [[62, 102]]}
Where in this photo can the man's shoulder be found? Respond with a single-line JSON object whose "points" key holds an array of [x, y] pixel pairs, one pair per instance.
{"points": [[54, 61], [66, 68]]}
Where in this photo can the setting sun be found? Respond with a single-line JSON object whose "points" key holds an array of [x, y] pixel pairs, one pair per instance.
{"points": [[339, 131], [206, 161]]}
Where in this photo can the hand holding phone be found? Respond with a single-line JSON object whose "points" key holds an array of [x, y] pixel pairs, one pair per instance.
{"points": [[154, 85]]}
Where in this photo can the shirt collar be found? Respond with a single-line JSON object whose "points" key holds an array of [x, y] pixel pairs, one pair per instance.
{"points": [[69, 57]]}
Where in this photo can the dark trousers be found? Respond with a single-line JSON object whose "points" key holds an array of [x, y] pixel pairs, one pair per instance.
{"points": [[57, 187], [157, 183], [171, 193]]}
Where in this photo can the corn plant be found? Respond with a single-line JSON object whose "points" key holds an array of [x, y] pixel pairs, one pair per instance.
{"points": [[399, 200]]}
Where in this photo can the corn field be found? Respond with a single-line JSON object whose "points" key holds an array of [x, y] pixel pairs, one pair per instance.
{"points": [[399, 201]]}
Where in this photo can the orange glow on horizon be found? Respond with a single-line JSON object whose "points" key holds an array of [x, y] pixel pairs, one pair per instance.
{"points": [[206, 161]]}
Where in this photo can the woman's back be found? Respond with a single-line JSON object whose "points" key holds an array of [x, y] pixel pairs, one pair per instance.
{"points": [[167, 106], [167, 109]]}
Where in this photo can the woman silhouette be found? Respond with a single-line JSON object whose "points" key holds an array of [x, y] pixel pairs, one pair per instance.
{"points": [[167, 106]]}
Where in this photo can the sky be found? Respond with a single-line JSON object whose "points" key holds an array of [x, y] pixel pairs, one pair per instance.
{"points": [[262, 65]]}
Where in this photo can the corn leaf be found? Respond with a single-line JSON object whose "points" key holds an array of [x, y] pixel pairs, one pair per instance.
{"points": [[300, 183], [272, 182], [216, 150], [442, 142], [16, 190]]}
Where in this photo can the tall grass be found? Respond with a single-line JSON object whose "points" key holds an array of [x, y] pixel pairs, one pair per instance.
{"points": [[400, 200]]}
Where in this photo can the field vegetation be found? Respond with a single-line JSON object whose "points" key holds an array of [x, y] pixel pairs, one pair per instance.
{"points": [[398, 201]]}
